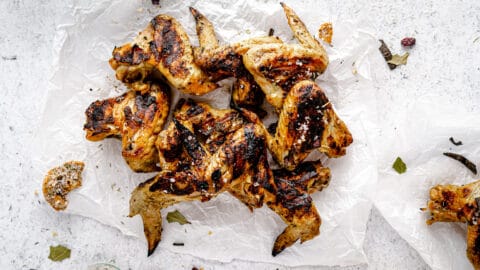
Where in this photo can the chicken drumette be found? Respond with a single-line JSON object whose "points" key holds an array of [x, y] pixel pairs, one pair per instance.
{"points": [[306, 122], [136, 119], [450, 203], [208, 151]]}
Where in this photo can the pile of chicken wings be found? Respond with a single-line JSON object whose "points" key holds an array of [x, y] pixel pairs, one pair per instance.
{"points": [[204, 151]]}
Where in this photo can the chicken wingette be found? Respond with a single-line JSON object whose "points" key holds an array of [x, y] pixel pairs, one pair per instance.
{"points": [[277, 67], [162, 47], [451, 203], [136, 119], [224, 61], [209, 151]]}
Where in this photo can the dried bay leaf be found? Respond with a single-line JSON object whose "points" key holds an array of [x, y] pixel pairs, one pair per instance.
{"points": [[399, 165], [59, 253], [399, 59], [176, 216]]}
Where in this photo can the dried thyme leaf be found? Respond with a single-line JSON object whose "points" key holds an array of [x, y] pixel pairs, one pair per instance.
{"points": [[399, 59], [399, 166], [454, 142], [387, 54], [463, 160], [59, 253], [176, 216]]}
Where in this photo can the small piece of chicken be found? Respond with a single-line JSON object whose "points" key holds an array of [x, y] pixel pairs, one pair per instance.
{"points": [[220, 62], [162, 47], [451, 203], [278, 67], [59, 181], [135, 118], [209, 151], [306, 122]]}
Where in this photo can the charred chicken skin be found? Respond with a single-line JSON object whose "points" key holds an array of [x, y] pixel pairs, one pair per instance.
{"points": [[209, 151], [451, 203], [136, 119], [162, 47]]}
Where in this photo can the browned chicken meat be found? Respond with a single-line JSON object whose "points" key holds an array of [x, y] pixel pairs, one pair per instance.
{"points": [[163, 47], [208, 151], [136, 119], [450, 203], [277, 67], [306, 122]]}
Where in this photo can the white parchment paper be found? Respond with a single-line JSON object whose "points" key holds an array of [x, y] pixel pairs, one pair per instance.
{"points": [[222, 229], [425, 137]]}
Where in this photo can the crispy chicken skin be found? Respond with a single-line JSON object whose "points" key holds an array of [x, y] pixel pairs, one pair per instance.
{"points": [[135, 118], [217, 151], [162, 47], [306, 122], [278, 67], [451, 203]]}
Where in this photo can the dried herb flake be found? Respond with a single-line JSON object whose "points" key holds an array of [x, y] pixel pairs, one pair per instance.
{"points": [[179, 244], [271, 32], [176, 216], [325, 32], [463, 160], [399, 166], [387, 54], [59, 253], [454, 142], [399, 59]]}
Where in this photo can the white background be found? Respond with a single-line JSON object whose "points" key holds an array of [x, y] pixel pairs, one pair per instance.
{"points": [[444, 63]]}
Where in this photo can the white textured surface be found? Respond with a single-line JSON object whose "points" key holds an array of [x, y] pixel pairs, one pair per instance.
{"points": [[29, 227]]}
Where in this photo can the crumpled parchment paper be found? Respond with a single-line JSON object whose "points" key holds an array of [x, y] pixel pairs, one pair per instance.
{"points": [[222, 229]]}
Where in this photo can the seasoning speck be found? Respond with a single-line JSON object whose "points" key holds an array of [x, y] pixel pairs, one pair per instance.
{"points": [[454, 142], [387, 54]]}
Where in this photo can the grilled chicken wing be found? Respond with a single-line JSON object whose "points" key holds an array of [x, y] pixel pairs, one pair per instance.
{"points": [[450, 203], [135, 118], [307, 121], [278, 67], [208, 151], [221, 62], [163, 47]]}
